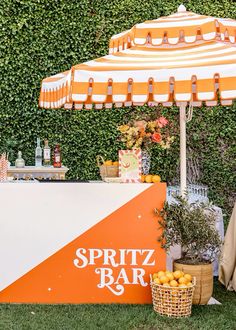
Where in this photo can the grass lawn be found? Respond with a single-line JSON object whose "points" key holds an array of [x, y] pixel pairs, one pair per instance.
{"points": [[26, 317]]}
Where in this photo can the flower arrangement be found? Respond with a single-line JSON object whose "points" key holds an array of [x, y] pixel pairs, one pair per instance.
{"points": [[143, 133]]}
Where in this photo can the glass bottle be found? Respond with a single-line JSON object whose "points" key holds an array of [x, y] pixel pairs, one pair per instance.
{"points": [[57, 156], [19, 163], [38, 154], [46, 154]]}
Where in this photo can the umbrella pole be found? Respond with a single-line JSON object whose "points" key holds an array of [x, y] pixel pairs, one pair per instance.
{"points": [[183, 167]]}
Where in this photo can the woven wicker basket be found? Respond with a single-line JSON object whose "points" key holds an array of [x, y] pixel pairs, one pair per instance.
{"points": [[204, 280], [111, 171], [173, 301]]}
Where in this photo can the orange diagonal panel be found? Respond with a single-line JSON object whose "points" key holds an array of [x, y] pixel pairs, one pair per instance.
{"points": [[110, 263]]}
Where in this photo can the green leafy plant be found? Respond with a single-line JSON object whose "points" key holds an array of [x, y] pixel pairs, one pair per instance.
{"points": [[193, 227], [8, 147]]}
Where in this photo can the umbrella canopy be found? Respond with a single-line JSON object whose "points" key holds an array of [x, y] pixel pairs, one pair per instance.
{"points": [[141, 74], [182, 58], [179, 58]]}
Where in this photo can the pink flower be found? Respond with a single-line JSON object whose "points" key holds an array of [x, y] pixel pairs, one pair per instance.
{"points": [[140, 124], [162, 122], [156, 137]]}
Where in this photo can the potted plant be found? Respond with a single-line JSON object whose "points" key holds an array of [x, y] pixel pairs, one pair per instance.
{"points": [[192, 226]]}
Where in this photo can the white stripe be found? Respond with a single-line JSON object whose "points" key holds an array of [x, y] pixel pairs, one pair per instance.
{"points": [[204, 72], [68, 106], [226, 102], [183, 96], [207, 62], [164, 58], [205, 96], [99, 97], [157, 41], [140, 41], [79, 97], [58, 83], [209, 36], [161, 97], [211, 103], [116, 36], [177, 18], [173, 41], [173, 51], [119, 98], [181, 24], [226, 22], [78, 106], [228, 94], [139, 98], [190, 38]]}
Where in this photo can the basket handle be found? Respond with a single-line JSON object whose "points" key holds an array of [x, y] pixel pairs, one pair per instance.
{"points": [[100, 160]]}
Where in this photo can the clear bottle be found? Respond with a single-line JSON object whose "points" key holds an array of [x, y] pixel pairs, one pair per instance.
{"points": [[57, 156], [19, 163], [38, 154], [46, 154]]}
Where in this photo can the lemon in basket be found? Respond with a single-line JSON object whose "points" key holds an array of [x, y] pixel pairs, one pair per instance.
{"points": [[156, 280], [173, 283], [170, 276], [155, 275], [188, 277], [167, 285], [183, 280], [184, 286], [108, 162], [164, 279], [160, 273], [177, 274]]}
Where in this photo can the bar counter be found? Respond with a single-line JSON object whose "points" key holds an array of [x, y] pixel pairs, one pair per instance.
{"points": [[79, 242]]}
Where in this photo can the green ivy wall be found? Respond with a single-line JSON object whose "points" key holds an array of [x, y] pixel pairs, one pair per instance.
{"points": [[40, 38]]}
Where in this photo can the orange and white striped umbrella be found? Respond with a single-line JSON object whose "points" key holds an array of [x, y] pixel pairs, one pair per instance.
{"points": [[184, 57], [183, 26]]}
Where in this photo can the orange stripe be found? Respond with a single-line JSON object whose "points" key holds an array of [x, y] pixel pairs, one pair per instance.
{"points": [[205, 85], [120, 88], [227, 83], [183, 86], [139, 88], [161, 87]]}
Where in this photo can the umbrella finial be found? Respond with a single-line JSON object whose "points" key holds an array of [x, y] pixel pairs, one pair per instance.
{"points": [[181, 9]]}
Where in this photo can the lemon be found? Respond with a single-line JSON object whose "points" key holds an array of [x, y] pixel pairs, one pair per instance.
{"points": [[177, 274], [148, 178], [156, 178], [164, 279]]}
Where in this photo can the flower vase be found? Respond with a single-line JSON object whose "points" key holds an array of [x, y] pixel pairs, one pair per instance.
{"points": [[146, 162]]}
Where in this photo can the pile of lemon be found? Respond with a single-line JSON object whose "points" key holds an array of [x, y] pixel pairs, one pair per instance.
{"points": [[110, 163], [172, 279], [150, 178]]}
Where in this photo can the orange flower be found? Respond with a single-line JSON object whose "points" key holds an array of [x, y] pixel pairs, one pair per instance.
{"points": [[142, 132], [156, 137]]}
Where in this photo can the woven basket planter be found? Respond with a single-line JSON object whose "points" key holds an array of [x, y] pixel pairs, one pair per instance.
{"points": [[172, 301], [204, 280], [111, 171]]}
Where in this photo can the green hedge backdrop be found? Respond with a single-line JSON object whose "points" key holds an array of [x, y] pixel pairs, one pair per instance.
{"points": [[40, 38]]}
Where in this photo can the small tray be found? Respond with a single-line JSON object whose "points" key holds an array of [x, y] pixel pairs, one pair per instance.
{"points": [[113, 180]]}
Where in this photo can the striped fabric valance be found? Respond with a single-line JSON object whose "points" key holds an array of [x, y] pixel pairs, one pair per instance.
{"points": [[185, 27], [202, 72]]}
